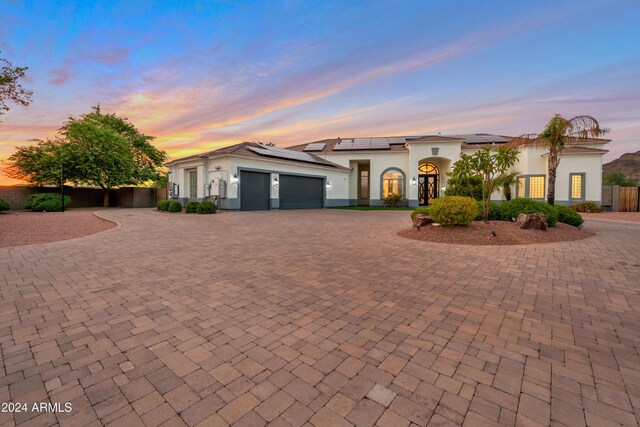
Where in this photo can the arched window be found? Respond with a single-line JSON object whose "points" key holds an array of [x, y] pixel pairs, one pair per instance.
{"points": [[428, 168], [392, 182]]}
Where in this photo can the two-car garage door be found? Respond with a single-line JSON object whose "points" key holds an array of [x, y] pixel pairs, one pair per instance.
{"points": [[296, 192]]}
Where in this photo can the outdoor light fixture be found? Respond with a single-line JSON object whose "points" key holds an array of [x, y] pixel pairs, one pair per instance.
{"points": [[328, 184], [234, 178], [275, 181], [414, 181]]}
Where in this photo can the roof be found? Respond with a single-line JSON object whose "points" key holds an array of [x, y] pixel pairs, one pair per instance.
{"points": [[255, 150], [580, 150], [530, 140], [393, 143]]}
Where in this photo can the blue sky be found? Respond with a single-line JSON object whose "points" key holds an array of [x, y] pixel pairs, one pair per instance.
{"points": [[199, 75]]}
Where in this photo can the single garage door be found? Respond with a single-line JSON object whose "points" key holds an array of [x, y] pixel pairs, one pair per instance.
{"points": [[255, 191], [301, 192]]}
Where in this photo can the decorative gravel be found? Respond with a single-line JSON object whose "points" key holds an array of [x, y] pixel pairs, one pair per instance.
{"points": [[507, 233], [19, 228]]}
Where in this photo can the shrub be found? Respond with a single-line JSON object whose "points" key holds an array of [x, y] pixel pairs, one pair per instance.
{"points": [[163, 205], [46, 202], [4, 206], [192, 207], [587, 207], [392, 199], [512, 208], [568, 216], [494, 212], [419, 211], [468, 186], [175, 206], [454, 210], [207, 207]]}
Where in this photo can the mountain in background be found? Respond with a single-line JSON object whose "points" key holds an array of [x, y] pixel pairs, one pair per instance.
{"points": [[628, 163]]}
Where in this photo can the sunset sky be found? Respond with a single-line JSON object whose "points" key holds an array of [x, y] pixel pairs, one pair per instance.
{"points": [[200, 75]]}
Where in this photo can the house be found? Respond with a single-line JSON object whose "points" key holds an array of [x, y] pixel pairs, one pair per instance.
{"points": [[362, 171]]}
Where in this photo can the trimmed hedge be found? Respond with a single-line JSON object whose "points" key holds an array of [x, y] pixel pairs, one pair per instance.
{"points": [[163, 205], [4, 206], [587, 207], [454, 210], [207, 207], [568, 216], [419, 211], [511, 209], [494, 212], [46, 202], [175, 206], [192, 207]]}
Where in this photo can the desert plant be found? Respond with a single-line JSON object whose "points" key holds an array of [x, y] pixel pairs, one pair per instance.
{"points": [[4, 206], [568, 216], [419, 211], [506, 181], [207, 207], [192, 207], [494, 212], [454, 210], [393, 199], [46, 202], [511, 209], [175, 206], [587, 207]]}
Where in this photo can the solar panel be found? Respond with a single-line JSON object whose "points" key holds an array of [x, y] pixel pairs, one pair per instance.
{"points": [[282, 153], [315, 146], [480, 138], [362, 144], [397, 140]]}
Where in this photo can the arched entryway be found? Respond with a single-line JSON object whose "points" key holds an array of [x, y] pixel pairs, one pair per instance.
{"points": [[428, 182]]}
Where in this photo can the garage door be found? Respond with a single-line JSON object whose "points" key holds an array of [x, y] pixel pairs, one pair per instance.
{"points": [[255, 191], [301, 192]]}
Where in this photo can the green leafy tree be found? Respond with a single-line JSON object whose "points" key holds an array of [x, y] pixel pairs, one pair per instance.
{"points": [[466, 186], [490, 164], [10, 88], [619, 178], [555, 136], [97, 149]]}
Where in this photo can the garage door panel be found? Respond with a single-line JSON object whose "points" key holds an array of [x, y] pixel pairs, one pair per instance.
{"points": [[255, 191], [301, 192]]}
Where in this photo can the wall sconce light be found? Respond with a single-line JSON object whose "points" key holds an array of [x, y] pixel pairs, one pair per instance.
{"points": [[234, 178], [275, 181], [328, 184], [414, 181]]}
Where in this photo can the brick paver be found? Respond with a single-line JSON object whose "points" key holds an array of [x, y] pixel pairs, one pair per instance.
{"points": [[321, 317]]}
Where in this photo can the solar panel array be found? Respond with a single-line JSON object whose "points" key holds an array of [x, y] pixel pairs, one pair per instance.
{"points": [[362, 144], [288, 154], [315, 146]]}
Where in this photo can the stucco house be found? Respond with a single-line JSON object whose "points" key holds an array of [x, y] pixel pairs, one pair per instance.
{"points": [[362, 171]]}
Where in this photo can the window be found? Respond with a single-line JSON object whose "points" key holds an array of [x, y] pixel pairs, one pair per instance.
{"points": [[428, 168], [576, 191], [531, 186], [392, 182], [193, 184], [364, 184]]}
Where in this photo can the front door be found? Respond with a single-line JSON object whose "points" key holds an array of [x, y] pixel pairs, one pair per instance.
{"points": [[427, 189], [363, 185]]}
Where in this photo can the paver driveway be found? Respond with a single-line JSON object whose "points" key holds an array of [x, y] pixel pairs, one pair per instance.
{"points": [[322, 317]]}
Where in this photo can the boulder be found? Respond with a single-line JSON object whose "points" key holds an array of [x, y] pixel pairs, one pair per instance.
{"points": [[532, 221], [421, 220]]}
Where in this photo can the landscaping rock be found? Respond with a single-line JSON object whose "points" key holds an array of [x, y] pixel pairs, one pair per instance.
{"points": [[532, 222], [421, 220]]}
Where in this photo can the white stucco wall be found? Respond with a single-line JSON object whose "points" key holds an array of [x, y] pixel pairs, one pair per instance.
{"points": [[590, 165]]}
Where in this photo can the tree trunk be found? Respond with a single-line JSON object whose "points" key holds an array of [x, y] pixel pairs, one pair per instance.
{"points": [[105, 197], [553, 166]]}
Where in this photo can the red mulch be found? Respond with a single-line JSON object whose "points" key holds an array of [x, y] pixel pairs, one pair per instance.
{"points": [[25, 228], [507, 233]]}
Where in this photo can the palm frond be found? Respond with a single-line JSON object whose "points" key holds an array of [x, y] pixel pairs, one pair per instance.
{"points": [[584, 127], [526, 139]]}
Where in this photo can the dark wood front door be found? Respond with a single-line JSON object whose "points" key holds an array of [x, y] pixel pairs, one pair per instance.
{"points": [[427, 189]]}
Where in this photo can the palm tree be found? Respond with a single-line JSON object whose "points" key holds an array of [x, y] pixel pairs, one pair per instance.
{"points": [[506, 181], [555, 136]]}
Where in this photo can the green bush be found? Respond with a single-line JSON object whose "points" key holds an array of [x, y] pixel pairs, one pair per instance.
{"points": [[568, 216], [587, 207], [192, 207], [494, 212], [470, 186], [419, 211], [512, 208], [163, 205], [4, 206], [175, 206], [46, 202], [454, 210], [207, 207], [393, 199]]}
